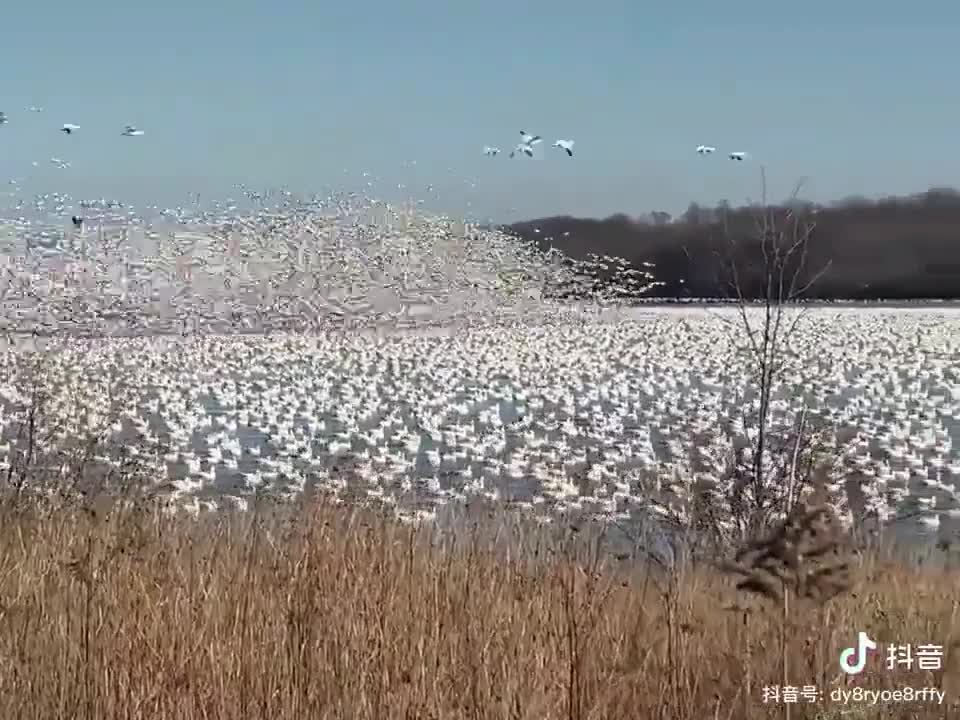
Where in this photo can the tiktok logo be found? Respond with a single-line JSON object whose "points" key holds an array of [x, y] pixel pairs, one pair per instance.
{"points": [[854, 660]]}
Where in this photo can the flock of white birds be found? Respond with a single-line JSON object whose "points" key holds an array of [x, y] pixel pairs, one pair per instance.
{"points": [[611, 417], [529, 142], [737, 155], [69, 129], [384, 355]]}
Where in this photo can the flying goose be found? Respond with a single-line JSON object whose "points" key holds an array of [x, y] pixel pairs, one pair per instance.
{"points": [[131, 131], [68, 128], [566, 145], [529, 139], [705, 149], [738, 156], [524, 148], [487, 150]]}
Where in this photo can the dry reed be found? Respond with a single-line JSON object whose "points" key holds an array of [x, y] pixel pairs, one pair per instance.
{"points": [[324, 612]]}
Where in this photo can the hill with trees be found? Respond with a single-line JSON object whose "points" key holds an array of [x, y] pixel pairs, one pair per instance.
{"points": [[895, 248]]}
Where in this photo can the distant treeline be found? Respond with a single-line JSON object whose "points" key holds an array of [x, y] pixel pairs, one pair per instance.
{"points": [[892, 249]]}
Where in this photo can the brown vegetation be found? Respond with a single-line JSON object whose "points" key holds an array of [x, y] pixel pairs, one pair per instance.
{"points": [[130, 613], [896, 248]]}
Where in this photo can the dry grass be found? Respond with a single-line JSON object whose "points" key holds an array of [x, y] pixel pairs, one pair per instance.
{"points": [[333, 613]]}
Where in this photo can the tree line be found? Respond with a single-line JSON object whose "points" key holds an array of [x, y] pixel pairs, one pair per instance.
{"points": [[894, 248]]}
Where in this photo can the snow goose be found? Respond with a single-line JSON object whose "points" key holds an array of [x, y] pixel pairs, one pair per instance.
{"points": [[69, 128], [527, 139], [565, 145], [522, 148]]}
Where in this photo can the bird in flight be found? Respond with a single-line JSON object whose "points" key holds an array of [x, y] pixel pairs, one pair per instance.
{"points": [[3, 118], [738, 156], [705, 149], [131, 131], [491, 151], [526, 144], [34, 108], [523, 148], [565, 145], [68, 128], [529, 139], [62, 164]]}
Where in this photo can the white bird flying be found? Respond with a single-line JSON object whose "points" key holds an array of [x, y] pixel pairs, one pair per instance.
{"points": [[68, 128], [526, 144], [490, 150], [566, 145], [523, 148], [529, 139], [131, 131], [62, 164], [705, 149], [34, 108], [738, 156], [3, 118]]}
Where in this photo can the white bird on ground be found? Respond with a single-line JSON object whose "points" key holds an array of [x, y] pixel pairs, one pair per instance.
{"points": [[131, 131], [738, 156], [68, 128], [705, 149], [565, 145], [487, 150]]}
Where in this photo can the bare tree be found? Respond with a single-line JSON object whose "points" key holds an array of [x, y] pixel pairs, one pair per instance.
{"points": [[768, 487]]}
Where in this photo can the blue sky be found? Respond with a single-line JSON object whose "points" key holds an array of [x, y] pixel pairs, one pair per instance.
{"points": [[856, 97]]}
